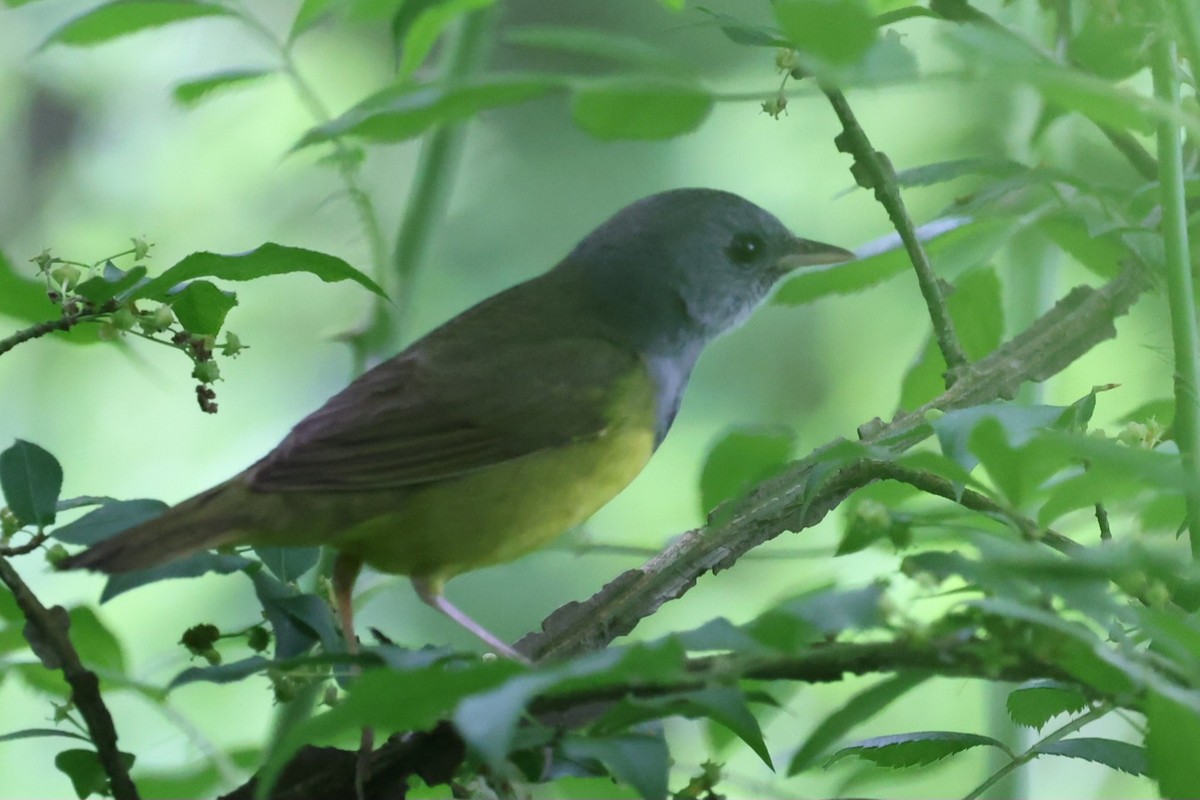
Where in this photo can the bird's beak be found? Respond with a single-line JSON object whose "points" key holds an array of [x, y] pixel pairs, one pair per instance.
{"points": [[807, 253]]}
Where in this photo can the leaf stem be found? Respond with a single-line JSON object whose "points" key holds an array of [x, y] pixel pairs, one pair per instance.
{"points": [[1035, 750], [1180, 290]]}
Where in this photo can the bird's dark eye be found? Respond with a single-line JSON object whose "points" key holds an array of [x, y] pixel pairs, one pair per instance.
{"points": [[745, 247]]}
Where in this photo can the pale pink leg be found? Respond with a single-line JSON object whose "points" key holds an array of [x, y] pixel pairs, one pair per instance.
{"points": [[431, 593], [345, 573]]}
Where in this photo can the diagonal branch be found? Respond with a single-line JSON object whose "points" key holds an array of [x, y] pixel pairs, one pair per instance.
{"points": [[802, 496], [85, 686]]}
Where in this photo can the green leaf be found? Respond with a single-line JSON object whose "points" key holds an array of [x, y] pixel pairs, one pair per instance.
{"points": [[22, 297], [98, 647], [85, 771], [187, 567], [113, 282], [1035, 703], [857, 710], [914, 749], [743, 33], [639, 760], [977, 311], [288, 563], [308, 16], [190, 93], [108, 520], [954, 244], [266, 259], [742, 458], [123, 17], [298, 620], [835, 31], [797, 623], [1099, 252], [408, 110], [589, 42], [1002, 56], [1117, 755], [1173, 730], [640, 108], [725, 705], [37, 733], [30, 479], [201, 307], [1110, 47], [427, 28], [396, 700]]}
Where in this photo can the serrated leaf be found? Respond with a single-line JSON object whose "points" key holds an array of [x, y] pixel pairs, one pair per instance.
{"points": [[108, 520], [593, 43], [427, 28], [1116, 755], [742, 458], [856, 711], [31, 480], [1035, 703], [264, 260], [408, 110], [122, 17], [914, 749], [190, 93], [640, 108], [834, 31]]}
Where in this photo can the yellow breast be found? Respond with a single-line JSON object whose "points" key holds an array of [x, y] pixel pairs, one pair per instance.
{"points": [[500, 513]]}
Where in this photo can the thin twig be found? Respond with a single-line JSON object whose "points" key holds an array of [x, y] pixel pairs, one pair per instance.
{"points": [[1102, 521], [1035, 751], [38, 330], [85, 686], [872, 170]]}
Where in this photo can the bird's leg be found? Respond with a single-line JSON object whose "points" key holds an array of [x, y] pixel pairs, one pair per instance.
{"points": [[345, 573], [430, 592]]}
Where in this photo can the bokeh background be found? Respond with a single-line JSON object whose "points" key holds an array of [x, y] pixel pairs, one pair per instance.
{"points": [[93, 151]]}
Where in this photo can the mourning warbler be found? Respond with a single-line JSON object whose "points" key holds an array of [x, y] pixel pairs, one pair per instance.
{"points": [[509, 424]]}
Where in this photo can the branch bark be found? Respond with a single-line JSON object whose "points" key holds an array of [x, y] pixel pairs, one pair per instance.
{"points": [[85, 686]]}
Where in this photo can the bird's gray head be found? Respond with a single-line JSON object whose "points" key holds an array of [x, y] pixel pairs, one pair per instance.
{"points": [[676, 269]]}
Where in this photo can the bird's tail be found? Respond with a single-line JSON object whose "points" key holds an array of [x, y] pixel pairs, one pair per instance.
{"points": [[210, 519]]}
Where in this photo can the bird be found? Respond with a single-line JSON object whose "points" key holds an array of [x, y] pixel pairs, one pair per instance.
{"points": [[509, 424]]}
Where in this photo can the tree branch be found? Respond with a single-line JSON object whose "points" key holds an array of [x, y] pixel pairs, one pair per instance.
{"points": [[36, 331], [802, 496], [85, 686]]}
